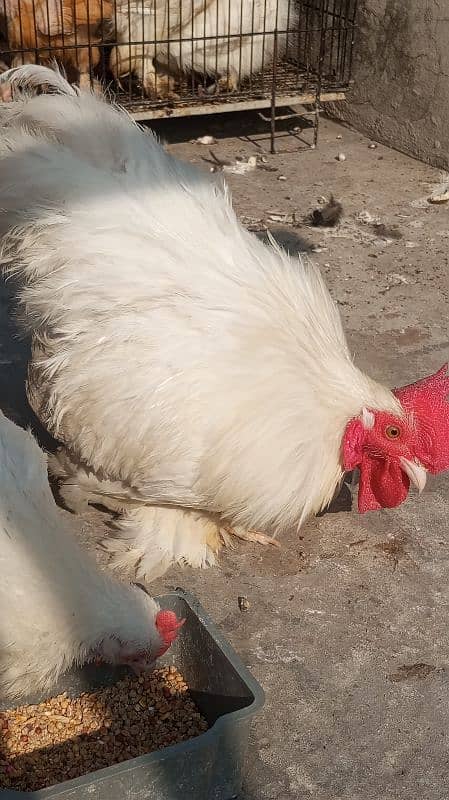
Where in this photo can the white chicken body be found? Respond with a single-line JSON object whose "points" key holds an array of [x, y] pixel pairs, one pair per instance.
{"points": [[229, 39], [184, 362], [57, 608]]}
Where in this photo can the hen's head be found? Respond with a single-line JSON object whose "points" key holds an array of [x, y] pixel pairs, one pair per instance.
{"points": [[392, 451], [140, 656]]}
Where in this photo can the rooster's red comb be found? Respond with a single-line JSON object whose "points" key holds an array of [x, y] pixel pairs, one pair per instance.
{"points": [[426, 402], [168, 625], [436, 386]]}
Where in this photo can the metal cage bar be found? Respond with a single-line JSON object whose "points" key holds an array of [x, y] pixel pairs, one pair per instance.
{"points": [[162, 58]]}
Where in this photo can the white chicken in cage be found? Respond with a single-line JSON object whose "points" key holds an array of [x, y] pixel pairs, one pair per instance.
{"points": [[225, 39], [141, 25]]}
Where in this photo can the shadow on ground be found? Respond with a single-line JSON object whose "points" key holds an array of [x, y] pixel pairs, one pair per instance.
{"points": [[14, 356], [243, 125]]}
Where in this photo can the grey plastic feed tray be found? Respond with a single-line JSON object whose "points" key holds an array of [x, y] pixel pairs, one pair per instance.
{"points": [[209, 767]]}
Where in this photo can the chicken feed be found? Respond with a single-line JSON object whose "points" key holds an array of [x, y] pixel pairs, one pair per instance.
{"points": [[63, 738]]}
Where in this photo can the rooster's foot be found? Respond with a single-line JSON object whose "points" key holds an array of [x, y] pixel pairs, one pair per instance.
{"points": [[251, 536]]}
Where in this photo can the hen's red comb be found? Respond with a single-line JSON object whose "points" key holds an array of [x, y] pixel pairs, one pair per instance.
{"points": [[168, 625]]}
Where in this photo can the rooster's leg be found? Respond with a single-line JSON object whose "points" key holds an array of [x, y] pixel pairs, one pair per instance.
{"points": [[229, 82], [251, 536], [149, 539], [158, 85]]}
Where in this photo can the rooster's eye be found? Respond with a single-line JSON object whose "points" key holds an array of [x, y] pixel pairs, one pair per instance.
{"points": [[393, 432]]}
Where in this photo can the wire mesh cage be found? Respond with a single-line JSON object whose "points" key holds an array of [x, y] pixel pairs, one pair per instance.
{"points": [[177, 57]]}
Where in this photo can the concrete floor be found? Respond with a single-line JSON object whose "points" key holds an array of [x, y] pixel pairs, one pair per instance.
{"points": [[347, 625]]}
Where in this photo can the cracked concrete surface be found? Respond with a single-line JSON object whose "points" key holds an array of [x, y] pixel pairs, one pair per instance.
{"points": [[347, 627], [401, 72]]}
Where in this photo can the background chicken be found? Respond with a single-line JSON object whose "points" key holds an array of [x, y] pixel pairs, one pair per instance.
{"points": [[140, 25], [231, 40], [222, 38], [58, 609], [57, 28], [199, 380]]}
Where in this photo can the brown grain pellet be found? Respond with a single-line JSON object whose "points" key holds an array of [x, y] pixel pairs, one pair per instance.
{"points": [[63, 737]]}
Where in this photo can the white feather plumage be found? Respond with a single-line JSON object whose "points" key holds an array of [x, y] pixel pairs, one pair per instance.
{"points": [[57, 608], [182, 362]]}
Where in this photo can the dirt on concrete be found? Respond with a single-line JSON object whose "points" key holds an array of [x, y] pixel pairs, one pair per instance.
{"points": [[346, 627]]}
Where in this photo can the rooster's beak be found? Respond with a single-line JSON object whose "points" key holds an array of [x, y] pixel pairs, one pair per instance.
{"points": [[415, 472]]}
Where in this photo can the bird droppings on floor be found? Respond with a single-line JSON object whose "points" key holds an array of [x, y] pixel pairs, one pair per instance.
{"points": [[407, 672], [336, 612]]}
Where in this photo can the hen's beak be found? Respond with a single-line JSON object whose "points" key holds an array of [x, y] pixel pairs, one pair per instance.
{"points": [[142, 666], [415, 472]]}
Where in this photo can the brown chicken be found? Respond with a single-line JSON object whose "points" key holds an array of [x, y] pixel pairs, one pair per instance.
{"points": [[41, 31]]}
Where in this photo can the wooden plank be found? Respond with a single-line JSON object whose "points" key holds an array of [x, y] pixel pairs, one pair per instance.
{"points": [[238, 105]]}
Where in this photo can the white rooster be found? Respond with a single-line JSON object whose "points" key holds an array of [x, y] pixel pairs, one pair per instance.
{"points": [[57, 608], [199, 380]]}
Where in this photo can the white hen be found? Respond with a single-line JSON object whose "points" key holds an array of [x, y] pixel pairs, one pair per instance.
{"points": [[57, 608], [197, 378], [225, 38]]}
